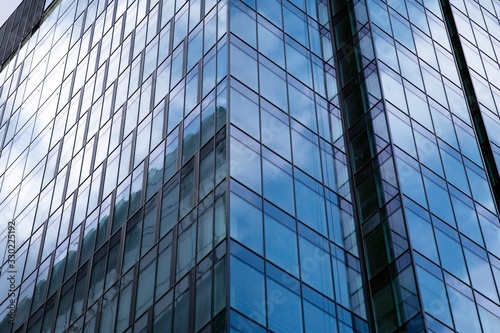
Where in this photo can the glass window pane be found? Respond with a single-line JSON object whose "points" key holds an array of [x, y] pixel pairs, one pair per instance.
{"points": [[276, 134], [281, 245], [451, 255], [163, 272], [243, 67], [480, 274], [298, 64], [246, 223], [241, 158], [186, 250], [315, 267], [278, 186], [170, 204], [207, 174], [245, 113], [421, 235], [306, 155], [271, 46], [242, 24], [247, 290], [464, 312], [145, 289], [433, 295], [439, 200], [317, 320], [191, 140], [186, 201], [287, 311], [311, 206], [302, 106], [273, 87], [203, 309], [205, 232]]}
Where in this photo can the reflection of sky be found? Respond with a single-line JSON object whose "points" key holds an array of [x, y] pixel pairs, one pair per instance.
{"points": [[8, 7]]}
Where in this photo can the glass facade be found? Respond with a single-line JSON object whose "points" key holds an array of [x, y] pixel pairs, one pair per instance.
{"points": [[252, 166]]}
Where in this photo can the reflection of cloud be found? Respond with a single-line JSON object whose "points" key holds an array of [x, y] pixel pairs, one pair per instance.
{"points": [[464, 312], [481, 276]]}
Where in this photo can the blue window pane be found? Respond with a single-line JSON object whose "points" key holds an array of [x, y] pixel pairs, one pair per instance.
{"points": [[489, 321], [281, 245], [191, 91], [186, 201], [194, 49], [428, 153], [454, 171], [155, 174], [169, 210], [171, 155], [276, 134], [433, 295], [467, 219], [402, 133], [439, 200], [191, 139], [317, 320], [443, 122], [209, 75], [295, 26], [411, 182], [315, 267], [271, 45], [163, 272], [177, 66], [278, 186], [306, 155], [244, 113], [242, 25], [491, 232], [243, 67], [302, 106], [145, 289], [468, 144], [464, 312], [271, 9], [205, 233], [480, 188], [246, 223], [207, 122], [480, 274], [207, 174], [402, 31], [451, 255], [247, 290], [162, 81], [175, 109], [241, 158], [181, 26], [273, 87], [421, 235], [186, 251], [285, 312], [310, 207], [299, 65]]}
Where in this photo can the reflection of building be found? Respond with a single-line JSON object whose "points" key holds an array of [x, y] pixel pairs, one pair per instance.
{"points": [[280, 165]]}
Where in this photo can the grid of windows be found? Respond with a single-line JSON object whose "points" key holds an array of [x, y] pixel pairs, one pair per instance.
{"points": [[294, 261], [253, 166], [113, 165], [449, 208]]}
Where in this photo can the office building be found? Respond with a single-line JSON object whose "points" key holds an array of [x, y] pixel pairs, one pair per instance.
{"points": [[250, 166]]}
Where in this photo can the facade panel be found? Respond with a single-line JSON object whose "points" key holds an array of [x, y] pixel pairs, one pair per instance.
{"points": [[251, 166]]}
